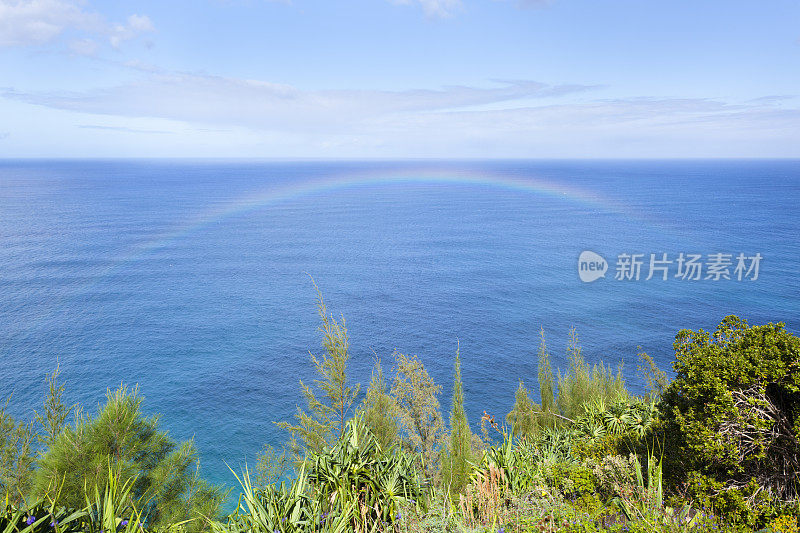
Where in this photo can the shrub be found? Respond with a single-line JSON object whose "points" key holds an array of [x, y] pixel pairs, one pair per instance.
{"points": [[418, 410], [167, 488], [378, 410], [732, 414], [583, 384]]}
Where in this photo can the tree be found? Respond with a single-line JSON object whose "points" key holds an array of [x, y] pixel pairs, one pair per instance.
{"points": [[415, 395], [546, 382], [732, 413], [378, 410], [456, 466], [525, 417], [16, 456], [167, 486], [54, 415], [325, 420]]}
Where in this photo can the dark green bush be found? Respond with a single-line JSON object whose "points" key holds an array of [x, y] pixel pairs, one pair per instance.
{"points": [[731, 416]]}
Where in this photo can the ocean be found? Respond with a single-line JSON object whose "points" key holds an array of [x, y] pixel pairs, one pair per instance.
{"points": [[193, 279]]}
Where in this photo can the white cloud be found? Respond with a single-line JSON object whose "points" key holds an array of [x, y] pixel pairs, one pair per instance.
{"points": [[137, 24], [512, 119], [434, 8], [37, 22], [269, 106], [26, 22]]}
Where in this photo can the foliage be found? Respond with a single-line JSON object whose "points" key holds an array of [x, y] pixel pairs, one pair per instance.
{"points": [[271, 466], [55, 412], [379, 411], [355, 485], [167, 488], [656, 379], [416, 398], [356, 473], [282, 509], [525, 416], [325, 420], [583, 384], [16, 456], [629, 415], [546, 382], [732, 413], [456, 465]]}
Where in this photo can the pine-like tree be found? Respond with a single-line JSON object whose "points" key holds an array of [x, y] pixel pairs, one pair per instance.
{"points": [[325, 420], [459, 453], [546, 383], [55, 412], [416, 397], [167, 487], [525, 417], [378, 410], [16, 457]]}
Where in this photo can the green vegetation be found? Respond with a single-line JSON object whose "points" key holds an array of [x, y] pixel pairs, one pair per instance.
{"points": [[324, 422], [716, 449], [456, 463]]}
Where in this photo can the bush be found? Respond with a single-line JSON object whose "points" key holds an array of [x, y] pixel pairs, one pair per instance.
{"points": [[166, 486], [732, 414]]}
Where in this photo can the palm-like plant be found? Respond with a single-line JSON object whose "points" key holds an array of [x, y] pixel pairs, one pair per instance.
{"points": [[357, 473]]}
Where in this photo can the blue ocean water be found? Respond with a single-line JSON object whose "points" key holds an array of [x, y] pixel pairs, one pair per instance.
{"points": [[191, 279]]}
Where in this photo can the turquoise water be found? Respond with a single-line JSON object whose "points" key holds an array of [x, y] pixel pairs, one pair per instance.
{"points": [[191, 278]]}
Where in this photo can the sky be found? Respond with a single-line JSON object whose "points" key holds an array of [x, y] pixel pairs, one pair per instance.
{"points": [[394, 79]]}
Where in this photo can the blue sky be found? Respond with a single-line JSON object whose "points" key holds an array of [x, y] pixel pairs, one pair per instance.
{"points": [[399, 78]]}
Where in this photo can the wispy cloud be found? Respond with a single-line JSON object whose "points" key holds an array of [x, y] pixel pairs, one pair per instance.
{"points": [[434, 8], [263, 105], [512, 118], [119, 128], [36, 22]]}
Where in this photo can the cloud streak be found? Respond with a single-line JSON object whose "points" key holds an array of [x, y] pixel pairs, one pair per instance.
{"points": [[518, 118], [269, 106]]}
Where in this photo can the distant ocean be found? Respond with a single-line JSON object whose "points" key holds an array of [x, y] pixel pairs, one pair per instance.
{"points": [[191, 278]]}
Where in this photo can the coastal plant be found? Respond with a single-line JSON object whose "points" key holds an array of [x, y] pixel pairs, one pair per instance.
{"points": [[525, 416], [16, 457], [583, 384], [356, 473], [282, 508], [418, 410], [55, 412], [546, 383], [379, 410], [457, 462], [328, 408], [272, 466], [167, 488], [732, 416], [354, 485]]}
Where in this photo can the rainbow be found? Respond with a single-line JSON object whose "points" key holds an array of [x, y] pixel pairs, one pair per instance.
{"points": [[370, 179], [274, 195]]}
